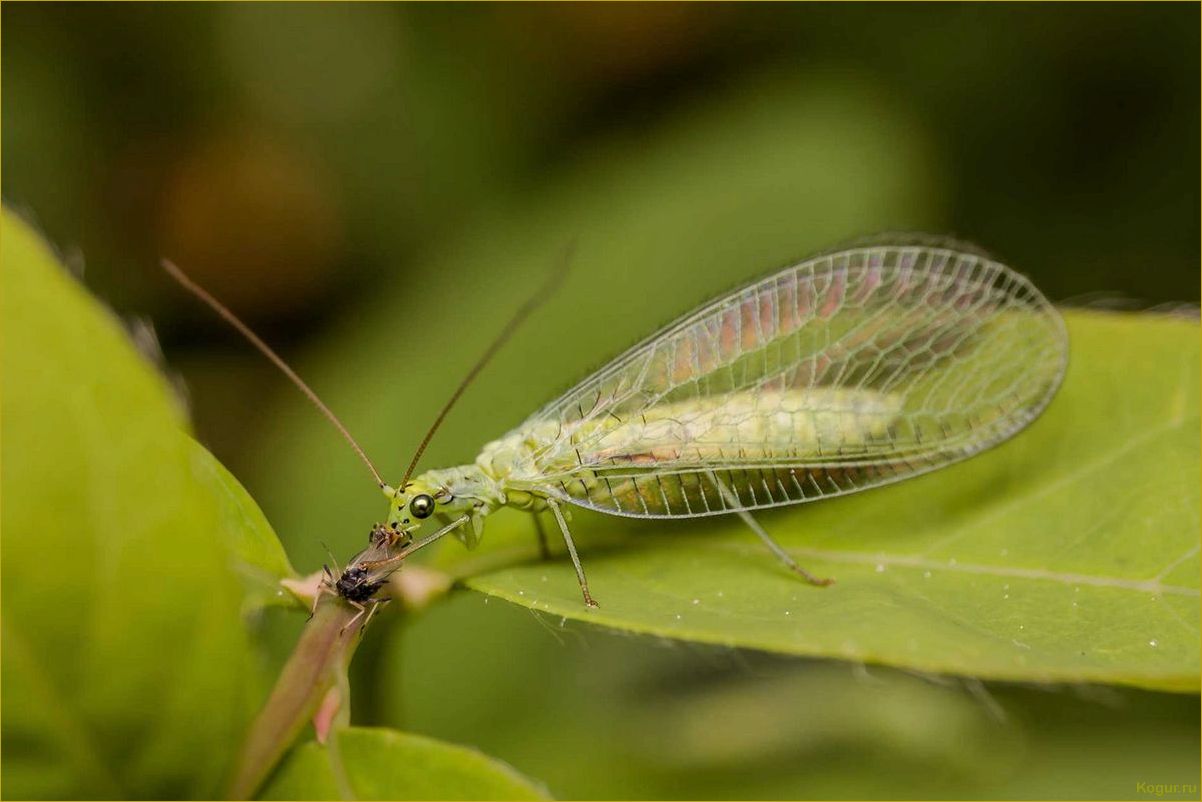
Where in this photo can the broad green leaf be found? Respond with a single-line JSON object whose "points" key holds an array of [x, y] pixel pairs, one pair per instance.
{"points": [[385, 764], [608, 716], [131, 559], [1067, 554]]}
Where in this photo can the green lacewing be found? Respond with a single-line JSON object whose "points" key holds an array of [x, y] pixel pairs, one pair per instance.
{"points": [[852, 369]]}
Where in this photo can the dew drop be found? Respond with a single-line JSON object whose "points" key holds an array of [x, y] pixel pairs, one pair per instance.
{"points": [[521, 593], [1074, 604], [1022, 626], [880, 569], [1005, 595], [926, 574], [678, 616], [696, 601], [1153, 643], [788, 613], [719, 594]]}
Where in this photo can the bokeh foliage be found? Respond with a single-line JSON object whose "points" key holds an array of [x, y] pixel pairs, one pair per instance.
{"points": [[384, 764]]}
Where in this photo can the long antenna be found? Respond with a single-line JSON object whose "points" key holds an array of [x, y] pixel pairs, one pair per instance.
{"points": [[536, 299], [220, 308]]}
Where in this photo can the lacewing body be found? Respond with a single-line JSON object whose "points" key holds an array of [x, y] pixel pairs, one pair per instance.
{"points": [[852, 369], [849, 370]]}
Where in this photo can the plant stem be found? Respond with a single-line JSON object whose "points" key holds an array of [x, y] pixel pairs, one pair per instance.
{"points": [[317, 664]]}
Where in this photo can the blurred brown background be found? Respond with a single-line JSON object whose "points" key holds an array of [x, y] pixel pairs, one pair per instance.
{"points": [[293, 155]]}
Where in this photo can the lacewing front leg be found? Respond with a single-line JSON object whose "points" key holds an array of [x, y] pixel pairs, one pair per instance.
{"points": [[567, 539]]}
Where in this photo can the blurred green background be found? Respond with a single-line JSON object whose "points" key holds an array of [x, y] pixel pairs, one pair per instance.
{"points": [[373, 187], [296, 158]]}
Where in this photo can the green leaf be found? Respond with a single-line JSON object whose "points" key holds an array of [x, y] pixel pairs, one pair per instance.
{"points": [[131, 559], [257, 556], [385, 764], [1067, 554], [616, 717]]}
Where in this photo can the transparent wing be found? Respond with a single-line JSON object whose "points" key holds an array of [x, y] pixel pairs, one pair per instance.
{"points": [[849, 370]]}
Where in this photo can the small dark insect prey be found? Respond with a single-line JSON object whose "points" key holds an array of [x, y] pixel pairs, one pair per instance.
{"points": [[359, 582], [367, 572], [354, 585]]}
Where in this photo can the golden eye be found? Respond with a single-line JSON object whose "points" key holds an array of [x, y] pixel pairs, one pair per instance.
{"points": [[422, 506]]}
